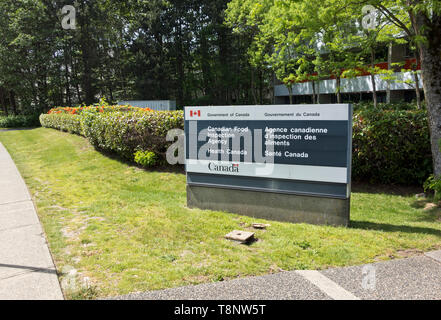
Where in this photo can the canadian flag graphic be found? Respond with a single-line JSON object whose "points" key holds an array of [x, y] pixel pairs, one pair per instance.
{"points": [[196, 113]]}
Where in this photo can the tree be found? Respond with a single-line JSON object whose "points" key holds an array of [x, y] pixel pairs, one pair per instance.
{"points": [[418, 20], [278, 42], [421, 22], [124, 50]]}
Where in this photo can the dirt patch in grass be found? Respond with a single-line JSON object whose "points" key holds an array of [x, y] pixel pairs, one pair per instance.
{"points": [[409, 253]]}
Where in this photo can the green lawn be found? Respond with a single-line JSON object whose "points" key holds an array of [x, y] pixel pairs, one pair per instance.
{"points": [[129, 230]]}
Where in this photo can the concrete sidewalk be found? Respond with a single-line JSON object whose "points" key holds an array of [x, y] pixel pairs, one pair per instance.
{"points": [[417, 278], [27, 271]]}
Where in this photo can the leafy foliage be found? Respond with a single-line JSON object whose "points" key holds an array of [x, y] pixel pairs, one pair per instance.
{"points": [[120, 132], [63, 122], [434, 184], [19, 121], [391, 146], [146, 158], [123, 50]]}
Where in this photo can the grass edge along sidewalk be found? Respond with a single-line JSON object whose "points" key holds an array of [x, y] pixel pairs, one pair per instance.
{"points": [[27, 271], [126, 230]]}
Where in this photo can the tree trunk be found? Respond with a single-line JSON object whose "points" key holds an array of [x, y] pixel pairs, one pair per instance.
{"points": [[253, 87], [417, 82], [374, 85], [13, 103], [338, 82], [318, 91], [67, 84], [273, 91], [180, 74], [289, 86], [417, 90], [374, 91], [3, 102], [389, 67], [111, 94], [261, 86], [87, 55], [205, 66], [431, 70], [75, 80], [87, 76]]}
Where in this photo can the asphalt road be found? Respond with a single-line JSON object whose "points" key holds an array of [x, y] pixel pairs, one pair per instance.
{"points": [[417, 278]]}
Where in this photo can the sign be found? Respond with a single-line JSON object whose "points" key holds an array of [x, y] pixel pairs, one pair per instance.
{"points": [[294, 149]]}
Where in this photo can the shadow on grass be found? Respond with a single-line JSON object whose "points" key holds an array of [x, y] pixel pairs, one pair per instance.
{"points": [[177, 169], [360, 187], [18, 129], [364, 225]]}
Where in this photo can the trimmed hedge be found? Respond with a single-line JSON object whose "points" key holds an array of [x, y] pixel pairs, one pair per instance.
{"points": [[128, 132], [392, 146], [123, 133], [63, 122], [19, 121], [389, 146]]}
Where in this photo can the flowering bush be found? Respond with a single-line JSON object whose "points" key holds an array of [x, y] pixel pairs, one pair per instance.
{"points": [[98, 108]]}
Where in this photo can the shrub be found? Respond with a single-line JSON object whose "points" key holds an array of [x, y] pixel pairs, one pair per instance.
{"points": [[126, 133], [433, 184], [19, 121], [146, 158], [391, 146], [119, 131], [64, 122]]}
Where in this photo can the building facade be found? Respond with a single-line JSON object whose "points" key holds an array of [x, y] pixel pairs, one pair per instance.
{"points": [[357, 89]]}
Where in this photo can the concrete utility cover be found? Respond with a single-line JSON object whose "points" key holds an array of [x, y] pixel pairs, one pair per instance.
{"points": [[260, 226], [240, 236]]}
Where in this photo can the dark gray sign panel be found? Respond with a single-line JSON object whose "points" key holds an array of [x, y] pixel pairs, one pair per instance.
{"points": [[289, 149]]}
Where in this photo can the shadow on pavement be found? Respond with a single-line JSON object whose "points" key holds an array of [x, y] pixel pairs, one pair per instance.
{"points": [[31, 269]]}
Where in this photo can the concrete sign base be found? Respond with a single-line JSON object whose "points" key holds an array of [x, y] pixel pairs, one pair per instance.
{"points": [[288, 162], [271, 206]]}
